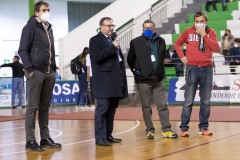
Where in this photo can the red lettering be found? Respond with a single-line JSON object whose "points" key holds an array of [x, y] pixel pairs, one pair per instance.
{"points": [[236, 84]]}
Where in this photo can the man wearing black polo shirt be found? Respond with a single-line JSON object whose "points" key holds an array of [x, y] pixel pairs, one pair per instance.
{"points": [[17, 80]]}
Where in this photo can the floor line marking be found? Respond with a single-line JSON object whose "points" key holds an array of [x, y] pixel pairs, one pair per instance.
{"points": [[137, 124], [199, 145], [59, 134], [10, 129], [130, 129]]}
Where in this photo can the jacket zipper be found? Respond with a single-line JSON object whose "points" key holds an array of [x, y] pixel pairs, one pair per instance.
{"points": [[50, 55]]}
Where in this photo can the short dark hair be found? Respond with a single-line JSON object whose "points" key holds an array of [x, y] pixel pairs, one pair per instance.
{"points": [[38, 5], [237, 40], [148, 21], [17, 58], [103, 19], [171, 46], [228, 30], [199, 14]]}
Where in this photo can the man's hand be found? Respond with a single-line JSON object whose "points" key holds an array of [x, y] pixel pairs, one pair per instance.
{"points": [[166, 60], [116, 43], [184, 60], [30, 74], [201, 31], [88, 78]]}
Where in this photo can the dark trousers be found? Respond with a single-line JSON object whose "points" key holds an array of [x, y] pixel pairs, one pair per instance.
{"points": [[226, 55], [156, 90], [91, 97], [104, 117], [83, 85], [213, 3], [39, 88], [224, 5]]}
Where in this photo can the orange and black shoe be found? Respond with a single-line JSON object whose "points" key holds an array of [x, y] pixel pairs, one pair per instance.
{"points": [[205, 132], [184, 134]]}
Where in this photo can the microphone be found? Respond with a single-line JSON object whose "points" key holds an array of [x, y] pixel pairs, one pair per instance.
{"points": [[114, 36]]}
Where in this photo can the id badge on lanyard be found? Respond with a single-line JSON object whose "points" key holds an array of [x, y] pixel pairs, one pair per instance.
{"points": [[153, 58]]}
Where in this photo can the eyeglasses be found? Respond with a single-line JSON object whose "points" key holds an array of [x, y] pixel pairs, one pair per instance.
{"points": [[110, 26]]}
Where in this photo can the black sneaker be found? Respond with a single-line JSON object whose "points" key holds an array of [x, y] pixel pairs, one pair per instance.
{"points": [[49, 143], [13, 107], [150, 135], [33, 146], [21, 107]]}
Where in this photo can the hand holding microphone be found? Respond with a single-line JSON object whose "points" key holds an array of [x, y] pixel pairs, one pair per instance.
{"points": [[115, 41]]}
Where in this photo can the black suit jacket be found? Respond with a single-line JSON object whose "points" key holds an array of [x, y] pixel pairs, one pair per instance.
{"points": [[174, 58], [109, 75]]}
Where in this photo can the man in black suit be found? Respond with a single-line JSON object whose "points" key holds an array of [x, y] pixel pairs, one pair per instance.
{"points": [[109, 80]]}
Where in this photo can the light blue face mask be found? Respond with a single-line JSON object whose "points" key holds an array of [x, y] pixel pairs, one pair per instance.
{"points": [[148, 33]]}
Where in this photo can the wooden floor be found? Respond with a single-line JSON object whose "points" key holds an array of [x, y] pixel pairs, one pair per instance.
{"points": [[77, 138]]}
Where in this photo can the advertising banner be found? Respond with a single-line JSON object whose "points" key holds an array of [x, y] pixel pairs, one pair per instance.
{"points": [[225, 88], [65, 92], [6, 93]]}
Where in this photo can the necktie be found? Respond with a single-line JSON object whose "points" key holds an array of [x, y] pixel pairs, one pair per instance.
{"points": [[110, 41]]}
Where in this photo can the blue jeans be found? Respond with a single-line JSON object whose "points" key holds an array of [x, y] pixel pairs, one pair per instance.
{"points": [[83, 86], [17, 88], [203, 77]]}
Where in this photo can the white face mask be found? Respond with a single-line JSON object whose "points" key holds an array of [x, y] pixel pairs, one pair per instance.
{"points": [[200, 25], [235, 45], [45, 16]]}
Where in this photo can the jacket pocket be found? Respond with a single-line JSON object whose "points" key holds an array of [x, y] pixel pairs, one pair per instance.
{"points": [[104, 68]]}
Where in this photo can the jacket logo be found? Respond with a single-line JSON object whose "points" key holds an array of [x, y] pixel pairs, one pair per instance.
{"points": [[194, 37]]}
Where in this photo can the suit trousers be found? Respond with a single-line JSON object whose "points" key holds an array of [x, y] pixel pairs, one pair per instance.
{"points": [[156, 90], [104, 117], [39, 88]]}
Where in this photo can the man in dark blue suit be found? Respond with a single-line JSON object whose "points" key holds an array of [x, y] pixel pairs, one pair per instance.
{"points": [[109, 80]]}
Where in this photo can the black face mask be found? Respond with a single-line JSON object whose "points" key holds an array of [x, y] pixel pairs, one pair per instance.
{"points": [[225, 34]]}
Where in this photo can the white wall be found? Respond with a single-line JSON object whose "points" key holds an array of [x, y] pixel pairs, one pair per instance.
{"points": [[14, 16], [59, 20]]}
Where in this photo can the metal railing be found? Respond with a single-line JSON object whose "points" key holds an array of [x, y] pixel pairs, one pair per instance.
{"points": [[220, 65], [159, 13], [226, 67]]}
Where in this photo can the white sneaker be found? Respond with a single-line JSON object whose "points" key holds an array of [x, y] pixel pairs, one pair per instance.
{"points": [[84, 107], [77, 107], [92, 108]]}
